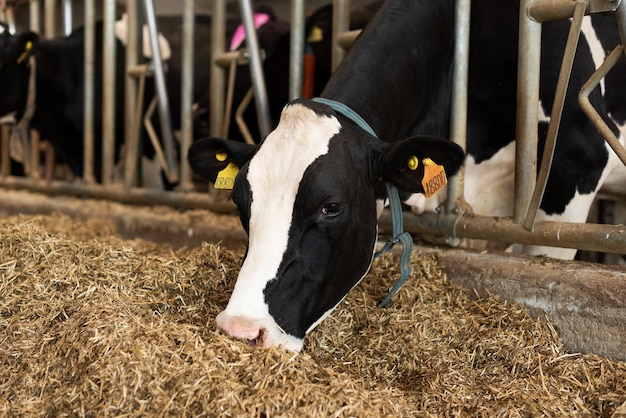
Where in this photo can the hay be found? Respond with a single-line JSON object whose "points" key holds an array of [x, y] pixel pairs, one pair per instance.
{"points": [[91, 324]]}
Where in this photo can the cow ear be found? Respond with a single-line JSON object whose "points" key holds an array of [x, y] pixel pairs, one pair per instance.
{"points": [[26, 44], [209, 156], [412, 163]]}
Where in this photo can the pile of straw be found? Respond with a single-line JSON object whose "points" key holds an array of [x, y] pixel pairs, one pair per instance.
{"points": [[91, 324]]}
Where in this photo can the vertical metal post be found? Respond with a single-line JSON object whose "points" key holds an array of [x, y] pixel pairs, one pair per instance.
{"points": [[108, 92], [5, 161], [50, 18], [67, 17], [458, 122], [187, 80], [620, 15], [88, 135], [557, 111], [529, 53], [217, 82], [256, 69], [33, 12], [341, 24], [131, 119], [159, 81], [296, 58]]}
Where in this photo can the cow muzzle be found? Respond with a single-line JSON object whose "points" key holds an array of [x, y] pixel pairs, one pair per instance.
{"points": [[257, 332]]}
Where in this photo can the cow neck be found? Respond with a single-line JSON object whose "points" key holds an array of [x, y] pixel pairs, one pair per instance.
{"points": [[394, 204]]}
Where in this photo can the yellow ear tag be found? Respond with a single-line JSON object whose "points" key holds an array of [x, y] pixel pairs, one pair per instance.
{"points": [[434, 177], [316, 35], [27, 48], [226, 178], [413, 163]]}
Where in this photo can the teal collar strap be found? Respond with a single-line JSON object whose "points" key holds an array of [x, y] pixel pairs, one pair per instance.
{"points": [[394, 204]]}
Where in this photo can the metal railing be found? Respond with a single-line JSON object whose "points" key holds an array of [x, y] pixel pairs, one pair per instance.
{"points": [[450, 222]]}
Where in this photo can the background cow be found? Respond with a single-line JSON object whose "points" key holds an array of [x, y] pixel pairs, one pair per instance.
{"points": [[306, 196]]}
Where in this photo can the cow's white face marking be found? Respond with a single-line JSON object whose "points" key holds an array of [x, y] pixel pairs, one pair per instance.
{"points": [[2, 30], [274, 174]]}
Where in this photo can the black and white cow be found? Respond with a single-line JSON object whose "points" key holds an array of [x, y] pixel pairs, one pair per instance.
{"points": [[309, 195]]}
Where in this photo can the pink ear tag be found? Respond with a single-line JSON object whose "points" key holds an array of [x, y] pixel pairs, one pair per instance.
{"points": [[260, 19]]}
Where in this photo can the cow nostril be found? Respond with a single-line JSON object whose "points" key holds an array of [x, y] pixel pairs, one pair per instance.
{"points": [[259, 340]]}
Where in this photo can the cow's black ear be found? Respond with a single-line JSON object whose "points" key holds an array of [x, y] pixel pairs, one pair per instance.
{"points": [[209, 156], [26, 44], [412, 163]]}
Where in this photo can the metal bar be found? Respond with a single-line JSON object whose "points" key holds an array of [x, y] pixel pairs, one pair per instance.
{"points": [[583, 99], [216, 93], [49, 19], [67, 17], [5, 160], [35, 141], [547, 10], [34, 14], [529, 53], [620, 16], [119, 194], [108, 92], [9, 18], [341, 24], [159, 81], [131, 133], [557, 111], [187, 79], [589, 237], [296, 57], [458, 122], [88, 100], [256, 69]]}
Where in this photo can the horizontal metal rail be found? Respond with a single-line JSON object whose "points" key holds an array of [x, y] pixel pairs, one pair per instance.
{"points": [[589, 237], [119, 193]]}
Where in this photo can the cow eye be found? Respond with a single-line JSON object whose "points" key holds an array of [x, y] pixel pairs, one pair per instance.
{"points": [[331, 210]]}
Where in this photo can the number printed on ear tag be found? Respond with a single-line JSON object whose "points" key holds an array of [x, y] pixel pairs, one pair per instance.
{"points": [[226, 178], [434, 177]]}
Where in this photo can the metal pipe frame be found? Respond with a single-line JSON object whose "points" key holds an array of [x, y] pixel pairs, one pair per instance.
{"points": [[256, 69], [341, 24], [583, 99], [216, 93], [529, 53], [108, 92], [120, 194], [297, 44], [458, 120], [67, 17], [557, 111], [131, 130], [589, 237], [187, 79], [159, 81], [88, 101], [34, 15]]}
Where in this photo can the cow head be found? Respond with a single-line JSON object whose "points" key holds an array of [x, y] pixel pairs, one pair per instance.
{"points": [[15, 52], [308, 197]]}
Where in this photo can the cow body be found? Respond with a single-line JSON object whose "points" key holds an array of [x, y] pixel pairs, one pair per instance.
{"points": [[310, 194]]}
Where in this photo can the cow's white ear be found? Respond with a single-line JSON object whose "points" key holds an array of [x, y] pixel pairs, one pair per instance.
{"points": [[26, 44], [414, 163], [210, 156]]}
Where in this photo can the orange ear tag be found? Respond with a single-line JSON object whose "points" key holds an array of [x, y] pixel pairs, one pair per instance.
{"points": [[226, 178], [434, 177]]}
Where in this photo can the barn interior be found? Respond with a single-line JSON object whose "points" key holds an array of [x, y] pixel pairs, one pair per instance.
{"points": [[111, 284]]}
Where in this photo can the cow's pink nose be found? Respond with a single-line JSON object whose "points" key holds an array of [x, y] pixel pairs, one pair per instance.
{"points": [[243, 328]]}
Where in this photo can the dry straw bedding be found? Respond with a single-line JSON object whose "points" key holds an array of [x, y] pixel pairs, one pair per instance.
{"points": [[91, 324]]}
